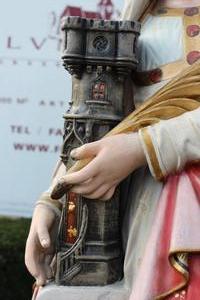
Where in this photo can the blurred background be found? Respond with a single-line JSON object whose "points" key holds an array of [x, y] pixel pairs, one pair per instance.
{"points": [[34, 92]]}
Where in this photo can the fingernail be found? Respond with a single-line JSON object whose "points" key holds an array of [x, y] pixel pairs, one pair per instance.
{"points": [[58, 191], [39, 282], [45, 243], [73, 153]]}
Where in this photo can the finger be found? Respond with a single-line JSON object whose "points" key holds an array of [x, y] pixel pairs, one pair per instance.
{"points": [[41, 279], [53, 264], [61, 188], [34, 262], [88, 186], [36, 289], [66, 182], [108, 195], [43, 235], [84, 174], [98, 193], [47, 266], [85, 151]]}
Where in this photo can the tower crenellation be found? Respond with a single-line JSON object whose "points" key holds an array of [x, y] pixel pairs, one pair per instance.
{"points": [[107, 42]]}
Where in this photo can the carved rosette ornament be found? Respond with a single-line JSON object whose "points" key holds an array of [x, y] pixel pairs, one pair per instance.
{"points": [[101, 57]]}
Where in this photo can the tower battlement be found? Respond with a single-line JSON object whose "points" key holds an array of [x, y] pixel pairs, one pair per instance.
{"points": [[73, 23], [102, 42], [101, 25]]}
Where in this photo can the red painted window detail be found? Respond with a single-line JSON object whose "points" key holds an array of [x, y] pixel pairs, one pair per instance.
{"points": [[98, 92]]}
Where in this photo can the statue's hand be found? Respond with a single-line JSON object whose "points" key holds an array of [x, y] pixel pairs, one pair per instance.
{"points": [[115, 158], [40, 244]]}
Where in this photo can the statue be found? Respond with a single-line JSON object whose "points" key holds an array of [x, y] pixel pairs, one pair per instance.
{"points": [[161, 213]]}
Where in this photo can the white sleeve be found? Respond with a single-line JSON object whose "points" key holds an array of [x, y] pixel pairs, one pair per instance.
{"points": [[170, 145]]}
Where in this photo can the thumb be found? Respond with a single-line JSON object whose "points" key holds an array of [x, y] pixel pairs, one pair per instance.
{"points": [[85, 151], [43, 236]]}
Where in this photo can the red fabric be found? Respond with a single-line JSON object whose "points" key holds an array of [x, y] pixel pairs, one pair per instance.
{"points": [[192, 289], [176, 226], [171, 277]]}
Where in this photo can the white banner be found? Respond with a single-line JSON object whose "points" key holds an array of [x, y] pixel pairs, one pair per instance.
{"points": [[34, 91]]}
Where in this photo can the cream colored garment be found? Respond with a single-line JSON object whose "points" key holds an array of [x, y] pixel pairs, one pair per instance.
{"points": [[176, 142], [160, 43]]}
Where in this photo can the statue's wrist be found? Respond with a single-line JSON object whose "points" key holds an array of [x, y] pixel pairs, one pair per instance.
{"points": [[53, 205]]}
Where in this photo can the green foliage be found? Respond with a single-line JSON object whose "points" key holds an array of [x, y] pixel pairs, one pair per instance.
{"points": [[15, 282]]}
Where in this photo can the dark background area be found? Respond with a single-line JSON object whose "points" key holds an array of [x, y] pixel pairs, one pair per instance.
{"points": [[15, 281]]}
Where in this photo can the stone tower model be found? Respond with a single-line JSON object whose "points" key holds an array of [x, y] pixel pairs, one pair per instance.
{"points": [[101, 57]]}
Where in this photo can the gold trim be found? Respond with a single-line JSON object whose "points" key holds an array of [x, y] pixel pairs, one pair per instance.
{"points": [[172, 69], [184, 251], [185, 103], [162, 11], [71, 206], [72, 232], [185, 274], [152, 153], [150, 6], [170, 292], [190, 43], [179, 269]]}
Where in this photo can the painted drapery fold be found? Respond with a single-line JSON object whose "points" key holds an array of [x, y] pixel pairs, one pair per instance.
{"points": [[172, 256]]}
